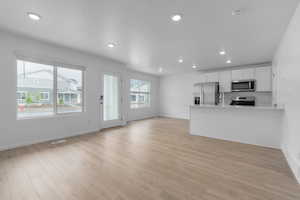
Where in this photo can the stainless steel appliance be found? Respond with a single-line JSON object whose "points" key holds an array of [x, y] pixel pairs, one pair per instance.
{"points": [[197, 100], [207, 93], [243, 101], [243, 86]]}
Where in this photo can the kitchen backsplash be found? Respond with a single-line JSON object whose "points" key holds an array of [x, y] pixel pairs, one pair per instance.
{"points": [[261, 98]]}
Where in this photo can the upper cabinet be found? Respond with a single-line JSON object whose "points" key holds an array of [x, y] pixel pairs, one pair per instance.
{"points": [[243, 74], [263, 76], [225, 81], [202, 78], [212, 77]]}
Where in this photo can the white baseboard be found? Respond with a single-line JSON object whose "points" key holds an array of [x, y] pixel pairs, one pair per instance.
{"points": [[28, 143], [172, 116], [142, 117], [292, 162]]}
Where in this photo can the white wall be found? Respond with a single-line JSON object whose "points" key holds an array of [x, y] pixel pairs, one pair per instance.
{"points": [[286, 64], [257, 126], [15, 132], [176, 94]]}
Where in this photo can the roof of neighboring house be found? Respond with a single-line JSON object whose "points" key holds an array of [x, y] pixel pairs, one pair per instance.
{"points": [[139, 86], [44, 79]]}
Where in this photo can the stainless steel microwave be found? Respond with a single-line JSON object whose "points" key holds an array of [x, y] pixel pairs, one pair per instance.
{"points": [[243, 86]]}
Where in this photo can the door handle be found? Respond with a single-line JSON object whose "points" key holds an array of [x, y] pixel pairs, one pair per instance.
{"points": [[101, 99]]}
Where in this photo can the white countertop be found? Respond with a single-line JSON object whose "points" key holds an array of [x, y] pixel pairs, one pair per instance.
{"points": [[279, 108]]}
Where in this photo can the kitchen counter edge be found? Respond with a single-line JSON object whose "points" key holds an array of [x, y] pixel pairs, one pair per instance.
{"points": [[279, 108]]}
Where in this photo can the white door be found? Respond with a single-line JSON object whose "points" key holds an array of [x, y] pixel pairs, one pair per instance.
{"points": [[111, 101]]}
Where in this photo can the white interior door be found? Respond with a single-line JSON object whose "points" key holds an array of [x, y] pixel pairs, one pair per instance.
{"points": [[111, 101]]}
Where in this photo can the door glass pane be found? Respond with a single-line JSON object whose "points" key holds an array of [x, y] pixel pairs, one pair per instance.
{"points": [[34, 89], [111, 98], [69, 90]]}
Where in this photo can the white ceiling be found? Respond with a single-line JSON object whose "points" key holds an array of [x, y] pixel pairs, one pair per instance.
{"points": [[147, 39]]}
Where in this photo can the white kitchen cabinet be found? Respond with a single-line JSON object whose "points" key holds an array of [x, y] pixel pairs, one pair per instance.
{"points": [[212, 77], [243, 74], [263, 76], [225, 81], [202, 78]]}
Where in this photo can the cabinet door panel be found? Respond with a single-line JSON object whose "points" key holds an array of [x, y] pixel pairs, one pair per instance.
{"points": [[202, 78], [249, 73], [212, 77], [237, 75], [225, 81], [243, 74], [263, 79]]}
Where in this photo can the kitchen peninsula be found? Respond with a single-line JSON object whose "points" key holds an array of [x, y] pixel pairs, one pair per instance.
{"points": [[236, 105], [259, 125]]}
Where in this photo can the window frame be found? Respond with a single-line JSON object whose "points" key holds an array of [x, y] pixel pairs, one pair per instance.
{"points": [[148, 105], [55, 66], [48, 95], [20, 91]]}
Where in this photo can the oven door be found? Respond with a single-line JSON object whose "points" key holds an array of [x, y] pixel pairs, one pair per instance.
{"points": [[242, 103], [243, 86]]}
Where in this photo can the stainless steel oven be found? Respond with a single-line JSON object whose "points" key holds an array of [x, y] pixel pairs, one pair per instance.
{"points": [[243, 86], [243, 101]]}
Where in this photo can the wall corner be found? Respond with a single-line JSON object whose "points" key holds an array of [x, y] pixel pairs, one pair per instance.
{"points": [[293, 162]]}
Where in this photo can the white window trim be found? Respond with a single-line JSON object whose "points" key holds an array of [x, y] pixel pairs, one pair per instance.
{"points": [[25, 92], [48, 94], [55, 65], [148, 105]]}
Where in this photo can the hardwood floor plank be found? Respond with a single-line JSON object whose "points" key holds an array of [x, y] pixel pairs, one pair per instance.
{"points": [[148, 159]]}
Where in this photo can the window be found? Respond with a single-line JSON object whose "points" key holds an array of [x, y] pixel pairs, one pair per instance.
{"points": [[139, 93], [111, 109], [38, 85], [32, 78], [21, 96], [44, 96], [69, 90]]}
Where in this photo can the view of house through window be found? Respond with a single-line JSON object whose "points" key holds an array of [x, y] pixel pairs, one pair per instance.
{"points": [[69, 90], [139, 93], [34, 79], [36, 92]]}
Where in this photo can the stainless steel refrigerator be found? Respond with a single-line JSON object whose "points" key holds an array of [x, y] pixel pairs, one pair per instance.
{"points": [[208, 93]]}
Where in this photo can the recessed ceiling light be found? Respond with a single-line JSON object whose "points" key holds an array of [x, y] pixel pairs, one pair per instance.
{"points": [[222, 52], [228, 61], [176, 17], [160, 69], [34, 16], [180, 60], [111, 45], [236, 12], [194, 66]]}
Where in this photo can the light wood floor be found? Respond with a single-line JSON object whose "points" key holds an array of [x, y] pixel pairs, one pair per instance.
{"points": [[149, 159]]}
